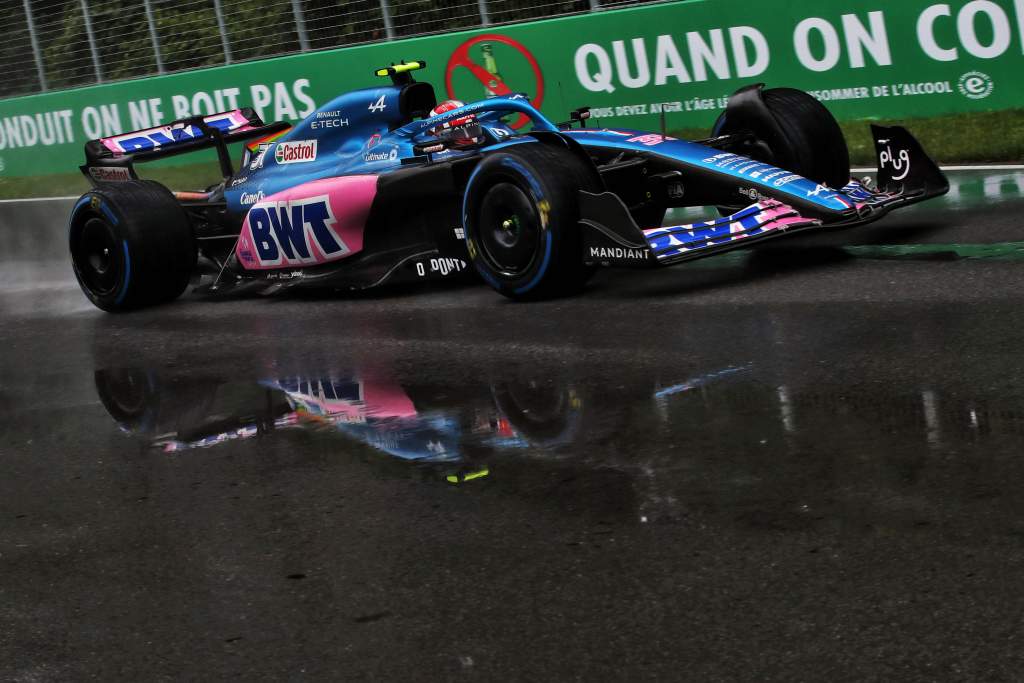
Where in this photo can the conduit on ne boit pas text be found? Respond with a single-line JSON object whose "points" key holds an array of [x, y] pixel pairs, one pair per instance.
{"points": [[631, 66]]}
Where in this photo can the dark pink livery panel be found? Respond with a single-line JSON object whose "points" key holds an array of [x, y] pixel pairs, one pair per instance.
{"points": [[314, 223]]}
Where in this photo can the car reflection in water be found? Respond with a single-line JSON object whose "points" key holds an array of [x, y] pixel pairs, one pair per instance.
{"points": [[458, 435], [730, 441], [181, 415]]}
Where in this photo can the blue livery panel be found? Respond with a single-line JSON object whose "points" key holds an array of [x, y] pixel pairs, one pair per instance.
{"points": [[741, 169]]}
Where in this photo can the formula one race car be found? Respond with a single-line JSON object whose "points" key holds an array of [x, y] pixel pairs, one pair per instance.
{"points": [[383, 184]]}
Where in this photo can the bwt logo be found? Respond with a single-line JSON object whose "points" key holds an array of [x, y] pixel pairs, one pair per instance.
{"points": [[157, 137], [287, 232]]}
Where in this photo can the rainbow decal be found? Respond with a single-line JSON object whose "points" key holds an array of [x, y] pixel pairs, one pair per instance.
{"points": [[255, 145]]}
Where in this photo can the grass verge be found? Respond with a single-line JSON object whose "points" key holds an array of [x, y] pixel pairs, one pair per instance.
{"points": [[190, 176], [988, 137]]}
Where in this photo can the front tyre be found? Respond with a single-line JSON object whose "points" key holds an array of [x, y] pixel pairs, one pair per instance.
{"points": [[131, 245], [521, 217], [801, 136]]}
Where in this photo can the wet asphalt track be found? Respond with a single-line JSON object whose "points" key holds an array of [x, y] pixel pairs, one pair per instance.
{"points": [[804, 465]]}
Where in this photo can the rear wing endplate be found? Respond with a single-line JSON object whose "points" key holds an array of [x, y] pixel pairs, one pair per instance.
{"points": [[113, 159]]}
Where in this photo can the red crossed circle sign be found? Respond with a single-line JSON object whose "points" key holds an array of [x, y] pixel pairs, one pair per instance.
{"points": [[460, 59]]}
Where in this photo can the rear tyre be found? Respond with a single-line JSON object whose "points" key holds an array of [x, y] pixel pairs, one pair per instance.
{"points": [[813, 144], [131, 245], [521, 217]]}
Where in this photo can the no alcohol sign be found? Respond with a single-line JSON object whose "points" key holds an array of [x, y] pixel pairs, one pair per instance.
{"points": [[497, 72]]}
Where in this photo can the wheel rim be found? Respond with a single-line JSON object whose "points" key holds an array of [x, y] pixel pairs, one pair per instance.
{"points": [[510, 230], [98, 259]]}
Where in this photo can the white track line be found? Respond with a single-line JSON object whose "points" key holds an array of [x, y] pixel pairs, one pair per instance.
{"points": [[39, 199], [993, 167]]}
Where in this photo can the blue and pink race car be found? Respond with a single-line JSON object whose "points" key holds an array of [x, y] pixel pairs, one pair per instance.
{"points": [[385, 183]]}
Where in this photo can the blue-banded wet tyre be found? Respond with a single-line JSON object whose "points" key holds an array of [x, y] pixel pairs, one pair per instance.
{"points": [[812, 143], [131, 245], [521, 219]]}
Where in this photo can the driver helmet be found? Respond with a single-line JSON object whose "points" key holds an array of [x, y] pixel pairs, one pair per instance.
{"points": [[462, 131]]}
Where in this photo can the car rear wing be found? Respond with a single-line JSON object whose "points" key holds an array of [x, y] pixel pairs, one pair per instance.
{"points": [[113, 159]]}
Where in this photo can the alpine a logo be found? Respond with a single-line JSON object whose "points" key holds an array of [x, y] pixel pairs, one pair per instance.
{"points": [[820, 191], [288, 232], [297, 152]]}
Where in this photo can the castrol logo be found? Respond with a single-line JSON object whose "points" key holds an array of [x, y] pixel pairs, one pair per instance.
{"points": [[297, 152]]}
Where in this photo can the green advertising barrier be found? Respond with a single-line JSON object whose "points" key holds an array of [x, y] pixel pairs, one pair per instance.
{"points": [[677, 61]]}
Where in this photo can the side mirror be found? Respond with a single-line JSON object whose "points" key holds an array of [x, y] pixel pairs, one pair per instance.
{"points": [[579, 116]]}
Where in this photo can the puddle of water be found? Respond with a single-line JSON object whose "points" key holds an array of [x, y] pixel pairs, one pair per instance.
{"points": [[1000, 251], [665, 445]]}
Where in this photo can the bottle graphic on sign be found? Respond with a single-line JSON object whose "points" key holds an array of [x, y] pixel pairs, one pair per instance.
{"points": [[491, 66]]}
